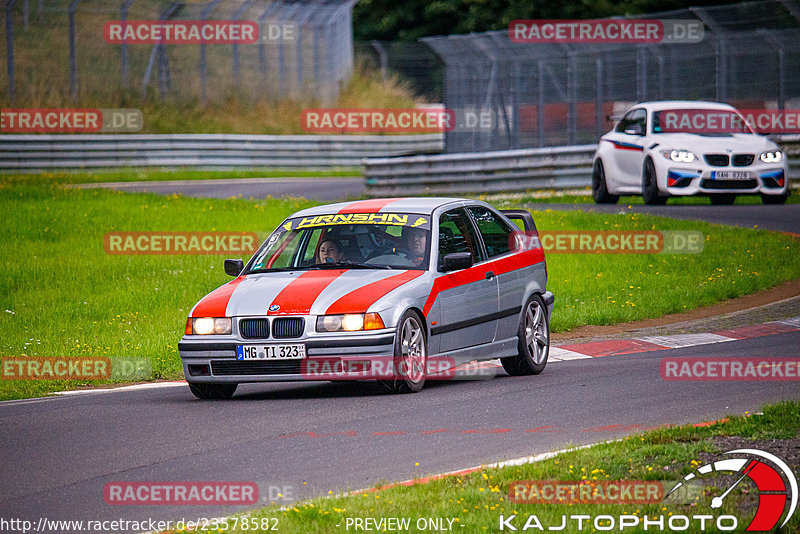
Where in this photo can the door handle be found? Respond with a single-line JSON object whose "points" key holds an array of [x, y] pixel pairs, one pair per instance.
{"points": [[489, 275]]}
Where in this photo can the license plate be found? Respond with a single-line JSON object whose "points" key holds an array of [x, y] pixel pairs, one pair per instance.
{"points": [[731, 175], [289, 351]]}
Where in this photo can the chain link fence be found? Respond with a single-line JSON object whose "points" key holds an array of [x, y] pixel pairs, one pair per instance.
{"points": [[57, 47], [510, 95]]}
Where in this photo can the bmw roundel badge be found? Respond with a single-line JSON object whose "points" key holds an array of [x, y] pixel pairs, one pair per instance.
{"points": [[274, 307]]}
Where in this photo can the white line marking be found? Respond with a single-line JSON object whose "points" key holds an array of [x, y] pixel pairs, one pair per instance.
{"points": [[686, 340], [148, 385], [564, 354], [794, 321]]}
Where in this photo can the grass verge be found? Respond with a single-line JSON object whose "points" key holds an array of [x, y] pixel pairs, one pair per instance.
{"points": [[475, 501], [62, 295]]}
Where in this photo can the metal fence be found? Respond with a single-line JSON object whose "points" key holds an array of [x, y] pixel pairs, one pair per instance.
{"points": [[537, 95], [502, 171], [30, 153], [60, 44]]}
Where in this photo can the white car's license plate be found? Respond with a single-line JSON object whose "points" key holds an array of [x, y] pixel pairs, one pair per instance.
{"points": [[289, 351], [731, 175]]}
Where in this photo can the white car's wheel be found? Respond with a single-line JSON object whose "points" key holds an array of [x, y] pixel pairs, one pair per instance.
{"points": [[600, 192], [650, 192]]}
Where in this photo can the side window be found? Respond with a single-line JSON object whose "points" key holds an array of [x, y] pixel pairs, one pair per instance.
{"points": [[456, 234], [634, 116], [497, 234]]}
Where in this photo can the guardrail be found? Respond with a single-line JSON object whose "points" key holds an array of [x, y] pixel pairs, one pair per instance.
{"points": [[503, 171], [34, 153]]}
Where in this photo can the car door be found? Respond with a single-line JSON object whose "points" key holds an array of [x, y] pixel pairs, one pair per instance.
{"points": [[500, 243], [628, 139], [467, 298]]}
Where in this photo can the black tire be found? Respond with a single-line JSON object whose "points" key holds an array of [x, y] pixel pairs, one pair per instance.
{"points": [[774, 199], [600, 192], [533, 343], [212, 391], [724, 199], [650, 193], [410, 355]]}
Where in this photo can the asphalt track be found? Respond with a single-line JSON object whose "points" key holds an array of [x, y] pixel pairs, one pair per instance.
{"points": [[58, 453], [785, 218]]}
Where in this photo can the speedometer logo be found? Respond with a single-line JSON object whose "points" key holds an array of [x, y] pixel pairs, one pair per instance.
{"points": [[775, 481]]}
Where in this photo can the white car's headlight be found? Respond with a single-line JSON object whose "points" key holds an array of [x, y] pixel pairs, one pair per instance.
{"points": [[679, 156], [349, 322], [203, 326], [771, 156]]}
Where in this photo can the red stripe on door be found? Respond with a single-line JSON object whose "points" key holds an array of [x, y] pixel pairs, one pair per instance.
{"points": [[458, 278], [368, 206], [298, 297], [216, 303], [473, 274], [359, 300]]}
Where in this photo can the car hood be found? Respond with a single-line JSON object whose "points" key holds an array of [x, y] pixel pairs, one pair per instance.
{"points": [[715, 144], [311, 292]]}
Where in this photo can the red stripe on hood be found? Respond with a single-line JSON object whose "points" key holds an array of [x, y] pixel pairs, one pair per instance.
{"points": [[298, 297], [368, 206], [359, 300], [216, 303]]}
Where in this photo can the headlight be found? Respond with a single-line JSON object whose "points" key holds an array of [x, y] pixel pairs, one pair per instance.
{"points": [[772, 156], [203, 326], [349, 322], [679, 156]]}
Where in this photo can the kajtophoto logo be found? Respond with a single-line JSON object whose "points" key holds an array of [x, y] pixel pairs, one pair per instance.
{"points": [[775, 487], [775, 491]]}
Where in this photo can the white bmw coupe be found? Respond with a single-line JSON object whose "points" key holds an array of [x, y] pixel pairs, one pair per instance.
{"points": [[679, 148]]}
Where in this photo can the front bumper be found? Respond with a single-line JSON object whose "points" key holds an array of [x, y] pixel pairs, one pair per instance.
{"points": [[702, 181], [212, 359]]}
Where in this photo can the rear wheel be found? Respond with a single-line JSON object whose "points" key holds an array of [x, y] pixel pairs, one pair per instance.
{"points": [[774, 199], [533, 344], [212, 391], [725, 199], [600, 192], [410, 355], [650, 193]]}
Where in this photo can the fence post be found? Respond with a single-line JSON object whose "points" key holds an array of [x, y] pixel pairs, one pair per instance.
{"points": [[598, 97], [203, 70], [123, 12], [73, 58], [540, 105], [12, 86], [236, 74]]}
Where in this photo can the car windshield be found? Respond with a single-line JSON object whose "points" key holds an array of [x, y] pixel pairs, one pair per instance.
{"points": [[349, 240], [700, 121]]}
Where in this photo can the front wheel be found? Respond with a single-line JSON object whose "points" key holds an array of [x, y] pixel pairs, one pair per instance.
{"points": [[774, 199], [723, 199], [212, 391], [533, 346], [410, 355], [650, 193], [600, 192]]}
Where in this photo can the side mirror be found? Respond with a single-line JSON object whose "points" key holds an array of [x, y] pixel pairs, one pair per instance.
{"points": [[634, 129], [455, 261], [234, 267]]}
